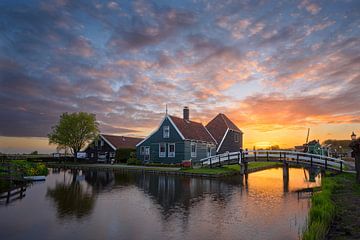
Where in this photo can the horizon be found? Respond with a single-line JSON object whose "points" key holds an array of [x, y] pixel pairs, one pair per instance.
{"points": [[274, 68]]}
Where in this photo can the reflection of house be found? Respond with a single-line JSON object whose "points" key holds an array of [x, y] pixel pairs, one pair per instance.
{"points": [[179, 139], [104, 148]]}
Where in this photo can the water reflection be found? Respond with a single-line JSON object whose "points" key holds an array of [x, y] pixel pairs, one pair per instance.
{"points": [[135, 205], [72, 198]]}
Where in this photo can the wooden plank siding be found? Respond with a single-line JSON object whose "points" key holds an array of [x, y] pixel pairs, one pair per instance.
{"points": [[156, 138], [229, 144]]}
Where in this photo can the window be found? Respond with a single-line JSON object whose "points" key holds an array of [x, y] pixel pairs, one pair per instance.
{"points": [[208, 150], [193, 149], [166, 131], [142, 150], [171, 150], [112, 154], [101, 142], [236, 137], [92, 155], [162, 150]]}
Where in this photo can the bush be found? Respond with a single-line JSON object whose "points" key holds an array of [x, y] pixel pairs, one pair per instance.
{"points": [[123, 154], [133, 160]]}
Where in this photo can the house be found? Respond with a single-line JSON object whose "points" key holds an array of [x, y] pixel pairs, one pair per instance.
{"points": [[103, 148], [228, 136], [178, 139]]}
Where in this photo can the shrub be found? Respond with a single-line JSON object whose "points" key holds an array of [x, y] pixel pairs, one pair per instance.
{"points": [[133, 160], [123, 154]]}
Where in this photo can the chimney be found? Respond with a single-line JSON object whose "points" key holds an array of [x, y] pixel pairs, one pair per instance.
{"points": [[186, 113]]}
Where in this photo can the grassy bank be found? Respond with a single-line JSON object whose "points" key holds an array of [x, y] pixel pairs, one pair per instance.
{"points": [[23, 167], [329, 205], [228, 169]]}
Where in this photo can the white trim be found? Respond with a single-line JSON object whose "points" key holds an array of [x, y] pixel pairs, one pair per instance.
{"points": [[162, 156], [191, 152], [108, 142], [171, 156], [222, 140], [152, 132], [182, 136], [166, 127], [210, 134]]}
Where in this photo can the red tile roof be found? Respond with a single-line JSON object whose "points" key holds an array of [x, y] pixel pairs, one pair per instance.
{"points": [[192, 130], [121, 141], [218, 126]]}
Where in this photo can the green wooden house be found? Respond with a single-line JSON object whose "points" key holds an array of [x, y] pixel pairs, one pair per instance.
{"points": [[175, 140]]}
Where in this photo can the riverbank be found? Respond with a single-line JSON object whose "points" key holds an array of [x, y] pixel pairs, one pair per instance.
{"points": [[223, 171], [334, 213]]}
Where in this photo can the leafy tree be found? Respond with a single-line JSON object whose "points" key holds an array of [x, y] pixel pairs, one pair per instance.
{"points": [[74, 130], [34, 153]]}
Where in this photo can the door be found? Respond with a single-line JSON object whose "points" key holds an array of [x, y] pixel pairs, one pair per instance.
{"points": [[147, 154]]}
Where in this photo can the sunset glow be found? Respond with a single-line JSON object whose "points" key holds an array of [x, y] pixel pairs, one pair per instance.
{"points": [[276, 68]]}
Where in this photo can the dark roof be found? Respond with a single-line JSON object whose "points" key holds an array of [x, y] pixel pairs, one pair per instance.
{"points": [[121, 141], [218, 126], [192, 130]]}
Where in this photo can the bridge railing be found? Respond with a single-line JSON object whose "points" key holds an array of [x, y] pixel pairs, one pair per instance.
{"points": [[271, 155]]}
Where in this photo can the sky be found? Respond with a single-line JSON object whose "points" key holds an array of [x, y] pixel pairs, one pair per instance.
{"points": [[275, 68]]}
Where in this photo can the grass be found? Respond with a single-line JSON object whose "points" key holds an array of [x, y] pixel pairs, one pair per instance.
{"points": [[26, 168], [227, 169], [323, 208]]}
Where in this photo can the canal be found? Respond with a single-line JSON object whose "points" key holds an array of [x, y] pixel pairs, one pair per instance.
{"points": [[129, 205]]}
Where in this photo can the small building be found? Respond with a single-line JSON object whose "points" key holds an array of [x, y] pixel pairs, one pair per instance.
{"points": [[175, 140], [228, 136], [178, 139], [103, 148]]}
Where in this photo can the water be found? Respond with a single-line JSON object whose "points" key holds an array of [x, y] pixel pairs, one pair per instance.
{"points": [[128, 205]]}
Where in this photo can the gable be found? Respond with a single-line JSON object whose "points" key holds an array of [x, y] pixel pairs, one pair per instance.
{"points": [[157, 135]]}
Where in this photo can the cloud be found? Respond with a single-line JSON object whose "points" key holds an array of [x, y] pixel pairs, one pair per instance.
{"points": [[310, 7]]}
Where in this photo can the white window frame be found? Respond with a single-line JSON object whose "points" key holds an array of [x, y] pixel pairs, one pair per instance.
{"points": [[166, 131], [193, 154], [142, 150], [171, 154], [162, 154], [236, 137], [208, 153]]}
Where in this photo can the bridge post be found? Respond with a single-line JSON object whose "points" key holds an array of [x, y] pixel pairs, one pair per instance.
{"points": [[297, 158], [286, 176], [280, 156], [311, 161], [341, 166], [267, 155], [244, 168], [254, 156], [325, 163], [285, 156]]}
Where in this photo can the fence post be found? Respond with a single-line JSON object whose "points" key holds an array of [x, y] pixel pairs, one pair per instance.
{"points": [[228, 158], [255, 156], [311, 160], [267, 155], [280, 156], [219, 161], [239, 157], [210, 163], [297, 158], [284, 156]]}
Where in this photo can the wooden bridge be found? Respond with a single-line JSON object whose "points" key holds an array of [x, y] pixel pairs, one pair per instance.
{"points": [[300, 158]]}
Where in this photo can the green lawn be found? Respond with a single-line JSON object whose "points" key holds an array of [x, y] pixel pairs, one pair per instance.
{"points": [[337, 204], [227, 169]]}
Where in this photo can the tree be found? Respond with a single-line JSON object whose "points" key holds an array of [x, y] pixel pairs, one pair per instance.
{"points": [[34, 153], [355, 146], [74, 130]]}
